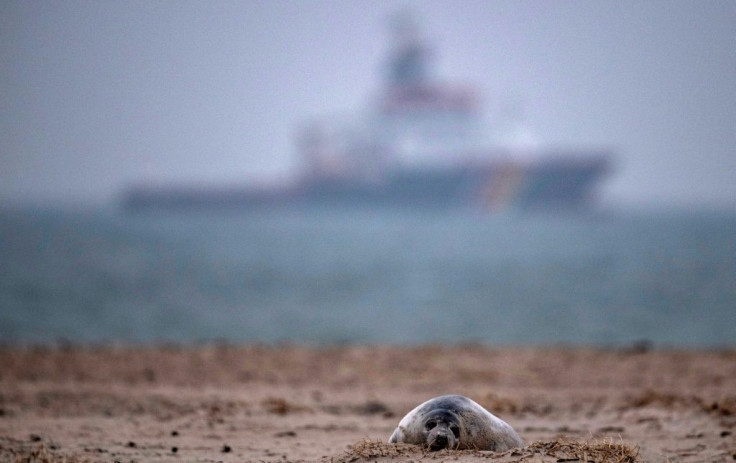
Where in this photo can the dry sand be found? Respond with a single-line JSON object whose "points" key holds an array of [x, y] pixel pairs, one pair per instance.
{"points": [[228, 403]]}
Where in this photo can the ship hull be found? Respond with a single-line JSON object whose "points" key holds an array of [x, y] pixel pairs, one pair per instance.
{"points": [[559, 183]]}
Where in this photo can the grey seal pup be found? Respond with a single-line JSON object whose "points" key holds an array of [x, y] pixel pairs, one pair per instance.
{"points": [[455, 422]]}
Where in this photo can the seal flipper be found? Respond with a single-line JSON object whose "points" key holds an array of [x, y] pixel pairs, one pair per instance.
{"points": [[394, 437]]}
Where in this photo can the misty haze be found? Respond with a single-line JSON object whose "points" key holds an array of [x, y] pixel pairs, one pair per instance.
{"points": [[101, 97], [403, 163], [261, 231]]}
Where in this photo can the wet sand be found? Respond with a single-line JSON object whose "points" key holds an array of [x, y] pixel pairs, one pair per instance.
{"points": [[231, 403]]}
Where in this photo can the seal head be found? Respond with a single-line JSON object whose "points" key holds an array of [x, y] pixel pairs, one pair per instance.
{"points": [[441, 429]]}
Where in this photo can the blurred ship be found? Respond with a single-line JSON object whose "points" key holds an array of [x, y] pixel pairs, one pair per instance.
{"points": [[423, 143]]}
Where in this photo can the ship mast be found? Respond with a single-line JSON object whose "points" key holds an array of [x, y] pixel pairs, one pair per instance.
{"points": [[409, 60], [423, 121]]}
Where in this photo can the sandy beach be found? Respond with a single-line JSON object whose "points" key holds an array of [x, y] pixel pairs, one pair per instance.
{"points": [[253, 403]]}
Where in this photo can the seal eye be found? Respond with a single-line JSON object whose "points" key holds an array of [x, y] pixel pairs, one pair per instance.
{"points": [[431, 425], [456, 431]]}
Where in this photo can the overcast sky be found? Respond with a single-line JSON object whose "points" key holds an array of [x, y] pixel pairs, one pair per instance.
{"points": [[96, 95]]}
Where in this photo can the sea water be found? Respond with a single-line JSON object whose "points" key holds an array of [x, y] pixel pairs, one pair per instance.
{"points": [[342, 275]]}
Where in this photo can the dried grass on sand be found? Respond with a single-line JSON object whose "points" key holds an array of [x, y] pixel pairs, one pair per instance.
{"points": [[560, 450]]}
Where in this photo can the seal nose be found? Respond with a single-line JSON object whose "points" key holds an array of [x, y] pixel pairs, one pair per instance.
{"points": [[440, 442]]}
